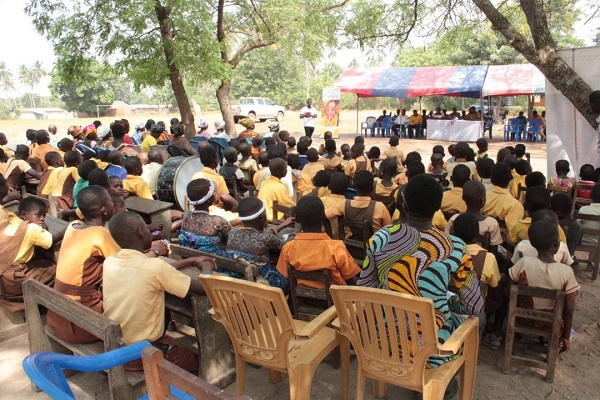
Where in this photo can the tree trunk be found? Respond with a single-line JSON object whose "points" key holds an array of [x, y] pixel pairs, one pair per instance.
{"points": [[167, 34], [223, 98]]}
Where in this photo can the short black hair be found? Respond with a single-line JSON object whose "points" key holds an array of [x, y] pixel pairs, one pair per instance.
{"points": [[231, 155], [460, 175], [412, 156], [338, 183], [561, 203], [149, 124], [32, 203], [511, 161], [562, 166], [359, 140], [520, 150], [545, 215], [461, 150], [90, 199], [534, 179], [330, 145], [293, 161], [263, 159], [71, 158], [451, 149], [466, 227], [302, 147], [542, 235], [321, 179], [85, 168], [482, 144], [374, 152], [98, 177], [438, 149], [291, 142], [41, 137], [414, 168], [52, 157], [423, 196], [209, 156], [357, 148], [115, 157], [501, 155], [394, 140], [65, 144], [197, 189], [363, 182], [473, 191], [257, 141], [88, 154], [523, 167], [388, 167], [131, 163], [122, 225], [310, 211], [312, 155], [484, 167], [586, 172], [536, 198], [276, 152], [501, 175]]}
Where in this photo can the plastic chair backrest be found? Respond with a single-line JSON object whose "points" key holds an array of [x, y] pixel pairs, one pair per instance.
{"points": [[382, 327], [370, 121], [45, 369], [175, 151], [256, 317], [535, 124], [514, 124]]}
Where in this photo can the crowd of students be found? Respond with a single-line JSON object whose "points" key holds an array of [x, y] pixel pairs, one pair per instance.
{"points": [[426, 223]]}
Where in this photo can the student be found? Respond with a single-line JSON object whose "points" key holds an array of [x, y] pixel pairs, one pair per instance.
{"points": [[116, 159], [385, 185], [522, 169], [461, 152], [151, 170], [561, 179], [535, 179], [500, 204], [524, 248], [543, 271], [320, 184], [42, 139], [326, 136], [21, 239], [437, 164], [331, 161], [83, 170], [373, 154], [66, 179], [47, 180], [210, 161], [345, 150], [401, 178], [313, 250], [501, 155], [484, 170], [358, 162], [482, 148], [562, 204], [65, 145], [3, 146], [17, 169], [273, 189], [451, 149], [257, 146], [395, 152], [536, 198], [115, 185], [230, 170], [313, 166], [247, 162], [98, 177], [338, 185], [587, 179], [362, 208], [452, 200], [134, 184], [263, 161], [302, 150], [152, 139], [134, 288], [592, 209], [520, 151], [79, 270]]}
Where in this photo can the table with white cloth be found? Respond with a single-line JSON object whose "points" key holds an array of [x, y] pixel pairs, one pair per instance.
{"points": [[454, 130]]}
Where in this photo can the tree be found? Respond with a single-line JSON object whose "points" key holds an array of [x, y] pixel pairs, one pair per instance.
{"points": [[7, 82], [27, 78], [38, 72]]}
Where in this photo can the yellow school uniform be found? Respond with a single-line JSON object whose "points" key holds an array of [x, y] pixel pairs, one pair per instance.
{"points": [[208, 173], [490, 273], [452, 201], [312, 168], [501, 205], [137, 186], [272, 190], [147, 143]]}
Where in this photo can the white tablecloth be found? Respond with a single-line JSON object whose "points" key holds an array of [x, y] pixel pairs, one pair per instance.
{"points": [[454, 131]]}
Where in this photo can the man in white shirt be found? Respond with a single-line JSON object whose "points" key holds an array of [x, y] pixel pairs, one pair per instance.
{"points": [[595, 106], [151, 170], [308, 114]]}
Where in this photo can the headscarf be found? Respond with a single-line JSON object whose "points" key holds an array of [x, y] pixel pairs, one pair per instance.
{"points": [[89, 130], [247, 123], [102, 132], [273, 126], [219, 125], [202, 124]]}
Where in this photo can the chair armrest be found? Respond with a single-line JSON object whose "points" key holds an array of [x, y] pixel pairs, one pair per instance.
{"points": [[336, 323], [456, 340], [314, 326]]}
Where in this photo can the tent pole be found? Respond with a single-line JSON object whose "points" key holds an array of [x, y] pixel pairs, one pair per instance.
{"points": [[357, 98]]}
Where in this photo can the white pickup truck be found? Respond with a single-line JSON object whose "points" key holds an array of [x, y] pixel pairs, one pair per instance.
{"points": [[257, 108]]}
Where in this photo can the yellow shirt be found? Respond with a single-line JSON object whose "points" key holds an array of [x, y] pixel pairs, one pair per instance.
{"points": [[401, 179], [148, 141], [520, 231], [350, 169], [470, 164], [312, 168], [101, 164], [135, 185], [381, 216], [501, 205], [35, 235], [13, 163], [513, 186], [452, 201], [134, 293], [61, 177], [394, 151], [490, 272], [255, 177], [9, 153], [272, 190], [210, 174], [415, 119], [438, 220], [51, 182], [384, 190], [330, 201], [303, 183]]}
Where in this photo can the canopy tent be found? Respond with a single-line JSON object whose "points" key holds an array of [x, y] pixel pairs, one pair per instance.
{"points": [[514, 80]]}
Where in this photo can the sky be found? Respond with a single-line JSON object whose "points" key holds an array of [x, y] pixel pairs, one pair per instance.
{"points": [[22, 44]]}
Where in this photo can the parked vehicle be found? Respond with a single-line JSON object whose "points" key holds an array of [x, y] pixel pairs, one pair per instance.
{"points": [[257, 108]]}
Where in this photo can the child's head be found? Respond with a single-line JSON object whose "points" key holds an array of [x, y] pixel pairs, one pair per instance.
{"points": [[501, 175], [474, 194], [422, 196], [310, 213], [482, 145], [562, 167], [437, 160], [338, 183], [536, 198], [545, 215], [291, 142], [284, 136], [451, 149], [156, 130], [543, 236], [65, 145], [312, 155], [321, 179], [523, 167], [278, 167], [461, 150], [471, 155], [561, 204], [72, 158], [484, 168], [95, 202], [201, 193], [133, 166], [231, 155], [85, 168], [357, 150], [293, 161], [388, 167], [306, 140], [330, 146], [394, 141], [596, 193], [520, 150], [245, 150], [501, 155], [363, 183], [412, 156], [327, 135], [345, 149], [302, 147], [511, 161], [251, 211], [586, 172], [118, 202], [115, 185], [438, 149], [54, 159], [115, 157], [461, 174], [88, 155], [534, 179], [154, 156], [359, 140], [270, 141], [374, 153], [257, 141], [129, 231], [414, 168], [98, 177], [466, 227], [263, 159], [33, 210], [209, 157]]}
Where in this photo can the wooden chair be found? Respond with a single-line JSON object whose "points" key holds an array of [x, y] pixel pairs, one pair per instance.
{"points": [[364, 320], [263, 332], [165, 380], [375, 166], [286, 211], [592, 248], [50, 203], [306, 300], [232, 185], [248, 176], [552, 335], [357, 243], [521, 193], [122, 385]]}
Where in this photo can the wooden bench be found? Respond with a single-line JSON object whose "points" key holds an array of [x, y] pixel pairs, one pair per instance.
{"points": [[122, 385], [592, 248], [154, 210], [305, 300]]}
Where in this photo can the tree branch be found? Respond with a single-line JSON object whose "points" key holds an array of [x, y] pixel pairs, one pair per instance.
{"points": [[334, 6], [248, 46], [538, 24]]}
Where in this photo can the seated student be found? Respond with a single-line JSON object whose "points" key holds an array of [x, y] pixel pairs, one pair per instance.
{"points": [[326, 136], [482, 148], [313, 250], [395, 153], [302, 150], [373, 154], [273, 189], [524, 248], [543, 271], [345, 150], [98, 177], [115, 185], [23, 240], [461, 152], [484, 170], [291, 143], [451, 152], [150, 140], [534, 179], [402, 178], [313, 166], [79, 269], [200, 230], [452, 200], [385, 185], [474, 196], [561, 179], [134, 289], [256, 244], [520, 152], [17, 169], [134, 184], [65, 181], [522, 169], [210, 161], [300, 178], [499, 203], [362, 207], [536, 198], [263, 161], [230, 170], [257, 146], [587, 179], [437, 164], [3, 146], [247, 162], [358, 162], [466, 227], [65, 145], [180, 141], [338, 185], [83, 170], [55, 163], [562, 204], [331, 161], [151, 170], [116, 159], [592, 209], [42, 138], [320, 184]]}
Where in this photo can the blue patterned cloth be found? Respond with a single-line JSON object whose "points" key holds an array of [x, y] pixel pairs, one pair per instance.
{"points": [[266, 270], [207, 244]]}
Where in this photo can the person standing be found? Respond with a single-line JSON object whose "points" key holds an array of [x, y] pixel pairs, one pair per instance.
{"points": [[308, 114], [595, 106]]}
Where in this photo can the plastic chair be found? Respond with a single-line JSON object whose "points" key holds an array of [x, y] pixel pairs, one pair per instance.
{"points": [[533, 132], [45, 369], [175, 151], [386, 125], [364, 320], [219, 145], [367, 126], [263, 332]]}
